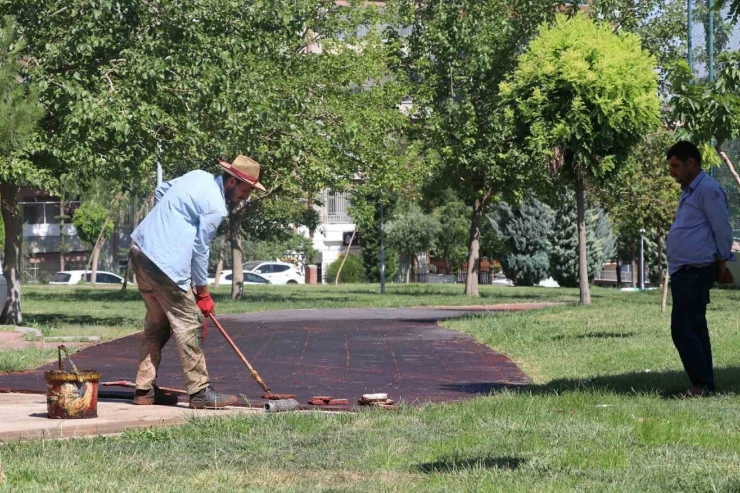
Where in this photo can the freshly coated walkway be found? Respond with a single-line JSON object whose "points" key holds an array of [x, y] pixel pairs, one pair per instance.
{"points": [[343, 353]]}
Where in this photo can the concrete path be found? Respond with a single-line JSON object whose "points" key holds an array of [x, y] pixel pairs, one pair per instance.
{"points": [[23, 417]]}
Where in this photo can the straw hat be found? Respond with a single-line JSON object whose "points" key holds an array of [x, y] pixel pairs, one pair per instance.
{"points": [[244, 169]]}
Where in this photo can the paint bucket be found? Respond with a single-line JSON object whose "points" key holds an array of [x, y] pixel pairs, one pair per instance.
{"points": [[71, 394]]}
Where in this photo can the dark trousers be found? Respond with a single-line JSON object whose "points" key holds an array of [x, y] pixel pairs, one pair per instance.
{"points": [[690, 291]]}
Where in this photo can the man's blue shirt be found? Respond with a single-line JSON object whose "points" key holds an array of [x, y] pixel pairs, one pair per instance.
{"points": [[176, 235], [701, 233]]}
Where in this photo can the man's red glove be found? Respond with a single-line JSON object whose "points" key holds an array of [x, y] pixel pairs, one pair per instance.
{"points": [[205, 303]]}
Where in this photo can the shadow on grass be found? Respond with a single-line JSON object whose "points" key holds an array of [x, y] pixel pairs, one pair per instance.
{"points": [[666, 383], [595, 335], [83, 295], [457, 464], [53, 319]]}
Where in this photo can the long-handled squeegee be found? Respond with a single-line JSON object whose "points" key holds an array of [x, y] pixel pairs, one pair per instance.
{"points": [[268, 394]]}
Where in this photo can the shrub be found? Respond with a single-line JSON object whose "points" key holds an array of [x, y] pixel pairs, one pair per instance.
{"points": [[352, 272]]}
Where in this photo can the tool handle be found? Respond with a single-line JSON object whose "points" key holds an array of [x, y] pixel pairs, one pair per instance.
{"points": [[254, 373], [61, 348]]}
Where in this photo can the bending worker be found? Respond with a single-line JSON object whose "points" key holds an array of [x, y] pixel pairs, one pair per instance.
{"points": [[170, 255], [699, 246]]}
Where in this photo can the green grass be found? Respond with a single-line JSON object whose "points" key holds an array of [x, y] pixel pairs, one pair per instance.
{"points": [[593, 420], [109, 313], [25, 359]]}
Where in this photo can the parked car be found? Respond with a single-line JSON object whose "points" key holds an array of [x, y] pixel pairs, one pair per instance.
{"points": [[227, 276], [67, 277], [275, 272]]}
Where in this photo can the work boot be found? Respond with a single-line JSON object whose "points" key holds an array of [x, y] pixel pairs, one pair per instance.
{"points": [[208, 398], [154, 396]]}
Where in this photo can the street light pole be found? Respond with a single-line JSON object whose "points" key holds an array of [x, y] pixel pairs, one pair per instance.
{"points": [[690, 27], [159, 164], [710, 41], [642, 260], [382, 252]]}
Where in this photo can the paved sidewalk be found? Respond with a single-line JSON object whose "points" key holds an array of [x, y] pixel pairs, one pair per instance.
{"points": [[23, 417]]}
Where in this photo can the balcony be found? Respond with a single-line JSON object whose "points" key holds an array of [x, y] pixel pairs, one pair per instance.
{"points": [[42, 218], [335, 209]]}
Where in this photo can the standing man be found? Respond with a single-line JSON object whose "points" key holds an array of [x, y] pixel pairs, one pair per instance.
{"points": [[699, 245], [170, 259]]}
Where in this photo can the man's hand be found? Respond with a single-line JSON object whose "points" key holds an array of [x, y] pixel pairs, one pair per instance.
{"points": [[724, 276], [204, 301]]}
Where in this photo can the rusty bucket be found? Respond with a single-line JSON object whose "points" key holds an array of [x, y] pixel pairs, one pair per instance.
{"points": [[71, 394]]}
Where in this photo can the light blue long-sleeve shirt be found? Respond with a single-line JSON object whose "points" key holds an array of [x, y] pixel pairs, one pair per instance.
{"points": [[176, 235], [701, 233]]}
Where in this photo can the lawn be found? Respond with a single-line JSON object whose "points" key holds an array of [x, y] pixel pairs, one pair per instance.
{"points": [[599, 416]]}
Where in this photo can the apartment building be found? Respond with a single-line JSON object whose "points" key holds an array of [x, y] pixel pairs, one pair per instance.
{"points": [[44, 237]]}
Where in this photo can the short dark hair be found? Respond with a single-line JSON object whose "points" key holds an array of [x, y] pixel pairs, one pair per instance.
{"points": [[684, 150], [226, 176]]}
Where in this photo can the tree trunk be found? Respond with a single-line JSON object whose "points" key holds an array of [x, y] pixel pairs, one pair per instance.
{"points": [[11, 314], [95, 259], [137, 217], [727, 161], [408, 269], [633, 266], [346, 254], [619, 273], [582, 247], [220, 264], [664, 298], [659, 246], [471, 280], [447, 263], [62, 236], [236, 215]]}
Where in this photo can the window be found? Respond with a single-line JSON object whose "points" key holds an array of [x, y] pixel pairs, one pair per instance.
{"points": [[108, 279], [280, 268], [61, 277], [103, 278], [250, 266], [229, 277], [264, 269], [249, 277]]}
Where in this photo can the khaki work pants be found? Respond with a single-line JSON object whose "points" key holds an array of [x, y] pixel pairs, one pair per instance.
{"points": [[169, 311]]}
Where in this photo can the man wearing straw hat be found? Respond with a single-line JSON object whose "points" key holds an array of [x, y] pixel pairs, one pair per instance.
{"points": [[170, 258]]}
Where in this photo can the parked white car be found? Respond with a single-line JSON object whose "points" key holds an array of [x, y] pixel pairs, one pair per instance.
{"points": [[275, 272], [227, 276], [67, 277]]}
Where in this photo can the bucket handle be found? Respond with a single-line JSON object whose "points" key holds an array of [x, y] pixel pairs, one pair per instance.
{"points": [[61, 348]]}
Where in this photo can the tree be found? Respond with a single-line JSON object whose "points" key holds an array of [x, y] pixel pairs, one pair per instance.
{"points": [[93, 224], [454, 226], [582, 98], [660, 24], [352, 269], [459, 53], [316, 106], [369, 228], [412, 232], [564, 251], [526, 230], [20, 112], [643, 196], [708, 110]]}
